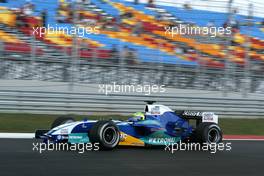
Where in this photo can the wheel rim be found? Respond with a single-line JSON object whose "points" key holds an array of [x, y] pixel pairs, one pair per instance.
{"points": [[213, 135], [110, 135]]}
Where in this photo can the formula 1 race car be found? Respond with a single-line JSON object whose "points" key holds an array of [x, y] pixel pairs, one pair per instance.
{"points": [[159, 125]]}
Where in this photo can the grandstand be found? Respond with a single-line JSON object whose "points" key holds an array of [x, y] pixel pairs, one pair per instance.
{"points": [[131, 45]]}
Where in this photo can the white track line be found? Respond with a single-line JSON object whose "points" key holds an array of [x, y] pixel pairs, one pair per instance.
{"points": [[243, 139], [32, 135], [17, 135]]}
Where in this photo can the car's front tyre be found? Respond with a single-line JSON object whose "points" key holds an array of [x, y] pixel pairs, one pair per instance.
{"points": [[105, 133], [62, 120]]}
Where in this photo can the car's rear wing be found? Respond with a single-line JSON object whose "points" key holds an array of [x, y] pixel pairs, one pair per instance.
{"points": [[199, 116]]}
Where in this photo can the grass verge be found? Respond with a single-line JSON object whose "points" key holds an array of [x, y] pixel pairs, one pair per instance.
{"points": [[10, 122]]}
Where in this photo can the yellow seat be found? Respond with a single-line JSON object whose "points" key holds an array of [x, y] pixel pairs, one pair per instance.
{"points": [[8, 18], [8, 38]]}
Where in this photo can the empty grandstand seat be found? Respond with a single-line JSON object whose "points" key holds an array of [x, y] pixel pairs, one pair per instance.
{"points": [[21, 48]]}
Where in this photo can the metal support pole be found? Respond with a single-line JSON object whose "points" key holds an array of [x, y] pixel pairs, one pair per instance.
{"points": [[199, 69], [161, 67], [121, 62], [2, 67], [33, 56], [1, 49], [75, 48], [228, 43], [247, 50]]}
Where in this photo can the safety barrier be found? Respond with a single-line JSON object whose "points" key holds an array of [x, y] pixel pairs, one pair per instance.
{"points": [[66, 102]]}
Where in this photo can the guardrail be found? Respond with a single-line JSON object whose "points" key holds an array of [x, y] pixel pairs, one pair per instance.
{"points": [[87, 103]]}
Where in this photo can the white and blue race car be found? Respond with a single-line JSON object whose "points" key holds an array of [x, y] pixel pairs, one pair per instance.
{"points": [[158, 125]]}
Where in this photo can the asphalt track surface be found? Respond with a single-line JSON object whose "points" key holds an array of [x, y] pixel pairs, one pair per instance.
{"points": [[18, 159]]}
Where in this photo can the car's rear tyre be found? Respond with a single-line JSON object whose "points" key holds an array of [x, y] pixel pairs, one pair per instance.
{"points": [[62, 120], [105, 133], [207, 132]]}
